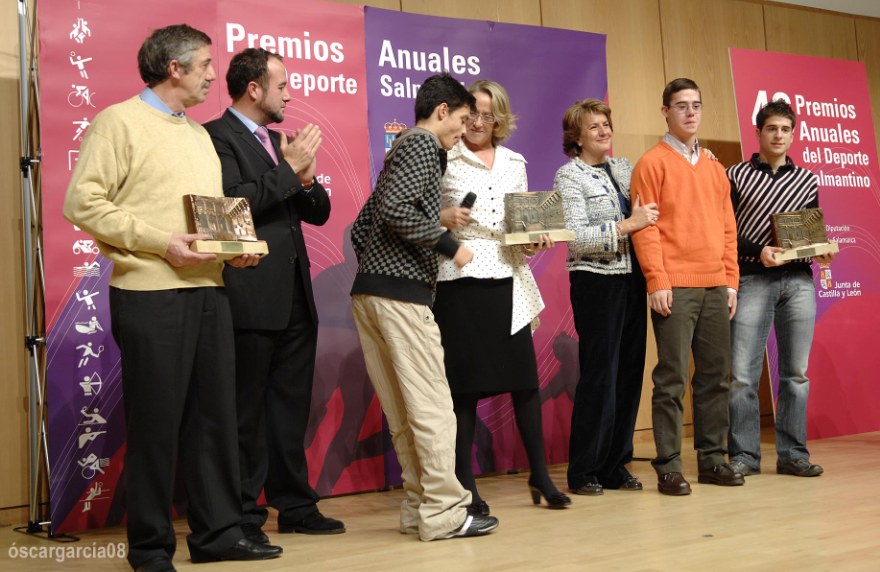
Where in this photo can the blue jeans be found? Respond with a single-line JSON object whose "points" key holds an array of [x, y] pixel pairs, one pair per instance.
{"points": [[788, 301]]}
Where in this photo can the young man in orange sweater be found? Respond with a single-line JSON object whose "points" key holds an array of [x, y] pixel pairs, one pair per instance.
{"points": [[689, 262]]}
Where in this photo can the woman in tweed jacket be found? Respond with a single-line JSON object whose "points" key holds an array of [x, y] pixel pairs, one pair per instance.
{"points": [[607, 300]]}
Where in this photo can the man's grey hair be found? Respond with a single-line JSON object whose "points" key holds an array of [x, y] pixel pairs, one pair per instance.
{"points": [[179, 42]]}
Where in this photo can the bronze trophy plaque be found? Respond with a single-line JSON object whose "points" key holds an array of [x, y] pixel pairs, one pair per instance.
{"points": [[801, 234], [529, 215], [228, 221]]}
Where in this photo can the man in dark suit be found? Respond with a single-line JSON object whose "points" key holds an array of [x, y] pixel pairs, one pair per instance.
{"points": [[273, 310]]}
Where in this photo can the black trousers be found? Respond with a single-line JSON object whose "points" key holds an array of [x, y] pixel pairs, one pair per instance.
{"points": [[178, 388], [274, 372], [610, 316]]}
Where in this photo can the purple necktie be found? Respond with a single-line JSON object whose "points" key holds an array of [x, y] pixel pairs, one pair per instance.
{"points": [[263, 135]]}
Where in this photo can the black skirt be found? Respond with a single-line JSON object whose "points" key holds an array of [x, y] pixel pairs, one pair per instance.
{"points": [[480, 354]]}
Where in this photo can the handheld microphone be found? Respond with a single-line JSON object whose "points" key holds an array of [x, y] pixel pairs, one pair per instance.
{"points": [[468, 200]]}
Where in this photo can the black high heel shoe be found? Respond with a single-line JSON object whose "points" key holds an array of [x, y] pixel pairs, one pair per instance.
{"points": [[554, 500]]}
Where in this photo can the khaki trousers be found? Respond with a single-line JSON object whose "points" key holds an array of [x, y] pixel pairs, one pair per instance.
{"points": [[404, 360]]}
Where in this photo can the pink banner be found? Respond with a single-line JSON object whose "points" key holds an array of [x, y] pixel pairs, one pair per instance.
{"points": [[87, 62], [834, 138]]}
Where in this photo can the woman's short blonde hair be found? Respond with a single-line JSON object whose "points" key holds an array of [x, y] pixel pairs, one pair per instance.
{"points": [[574, 116], [505, 121]]}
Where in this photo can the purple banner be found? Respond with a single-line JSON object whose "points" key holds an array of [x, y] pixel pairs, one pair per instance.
{"points": [[544, 71]]}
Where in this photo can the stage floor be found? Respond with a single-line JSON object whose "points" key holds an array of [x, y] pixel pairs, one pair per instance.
{"points": [[774, 522]]}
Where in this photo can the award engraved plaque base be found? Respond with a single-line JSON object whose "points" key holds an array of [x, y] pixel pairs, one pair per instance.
{"points": [[228, 221], [529, 215], [801, 234]]}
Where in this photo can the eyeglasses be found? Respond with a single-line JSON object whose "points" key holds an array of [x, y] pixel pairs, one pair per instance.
{"points": [[486, 117], [682, 107]]}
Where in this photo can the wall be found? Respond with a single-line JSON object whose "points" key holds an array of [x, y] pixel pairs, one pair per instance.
{"points": [[13, 427], [649, 43]]}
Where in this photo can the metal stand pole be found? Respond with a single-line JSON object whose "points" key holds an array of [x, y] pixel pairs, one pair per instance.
{"points": [[34, 341]]}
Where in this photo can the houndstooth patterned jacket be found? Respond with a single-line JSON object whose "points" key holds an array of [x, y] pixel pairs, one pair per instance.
{"points": [[397, 234]]}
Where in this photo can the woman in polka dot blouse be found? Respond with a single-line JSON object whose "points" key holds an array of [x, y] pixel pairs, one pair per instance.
{"points": [[485, 309]]}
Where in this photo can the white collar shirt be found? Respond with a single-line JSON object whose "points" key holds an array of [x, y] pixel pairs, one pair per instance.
{"points": [[692, 155]]}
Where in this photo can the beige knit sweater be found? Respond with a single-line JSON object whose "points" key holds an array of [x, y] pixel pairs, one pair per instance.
{"points": [[135, 165]]}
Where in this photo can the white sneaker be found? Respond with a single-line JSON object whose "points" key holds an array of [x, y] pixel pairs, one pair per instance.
{"points": [[474, 525]]}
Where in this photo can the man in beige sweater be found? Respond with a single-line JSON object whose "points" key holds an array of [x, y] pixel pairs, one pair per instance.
{"points": [[170, 315]]}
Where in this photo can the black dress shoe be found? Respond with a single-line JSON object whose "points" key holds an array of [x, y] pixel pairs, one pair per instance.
{"points": [[244, 549], [624, 481], [479, 508], [631, 483], [722, 475], [673, 484], [799, 468], [590, 488], [741, 467], [252, 531], [156, 564], [315, 523]]}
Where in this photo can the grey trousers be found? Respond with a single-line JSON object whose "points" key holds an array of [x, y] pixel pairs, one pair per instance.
{"points": [[699, 323]]}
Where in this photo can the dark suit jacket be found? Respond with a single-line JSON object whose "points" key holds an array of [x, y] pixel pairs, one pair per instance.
{"points": [[261, 297]]}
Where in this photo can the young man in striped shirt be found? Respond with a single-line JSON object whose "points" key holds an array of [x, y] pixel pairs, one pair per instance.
{"points": [[771, 292]]}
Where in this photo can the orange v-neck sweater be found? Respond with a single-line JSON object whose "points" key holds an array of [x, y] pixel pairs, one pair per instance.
{"points": [[693, 244]]}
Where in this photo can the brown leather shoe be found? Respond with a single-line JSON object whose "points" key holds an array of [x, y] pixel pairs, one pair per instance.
{"points": [[673, 484], [722, 475]]}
